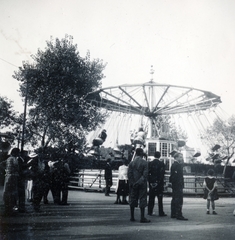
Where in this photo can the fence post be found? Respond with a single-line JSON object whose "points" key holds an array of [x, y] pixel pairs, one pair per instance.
{"points": [[100, 179], [82, 178]]}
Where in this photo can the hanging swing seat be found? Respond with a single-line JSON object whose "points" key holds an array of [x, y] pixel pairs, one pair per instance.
{"points": [[181, 143], [97, 142], [197, 154], [215, 148]]}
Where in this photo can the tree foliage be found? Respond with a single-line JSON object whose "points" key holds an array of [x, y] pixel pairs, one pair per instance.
{"points": [[8, 116], [55, 86], [221, 133], [165, 127]]}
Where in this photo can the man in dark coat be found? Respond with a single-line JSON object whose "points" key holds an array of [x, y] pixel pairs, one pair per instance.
{"points": [[108, 177], [23, 175], [37, 167], [65, 182], [177, 182], [156, 172], [137, 175]]}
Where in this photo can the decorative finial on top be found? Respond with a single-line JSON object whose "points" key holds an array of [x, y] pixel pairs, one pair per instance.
{"points": [[151, 72]]}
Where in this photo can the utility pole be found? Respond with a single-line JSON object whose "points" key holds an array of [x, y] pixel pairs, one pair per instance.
{"points": [[24, 118]]}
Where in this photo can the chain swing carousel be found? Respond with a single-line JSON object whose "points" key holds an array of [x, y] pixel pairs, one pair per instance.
{"points": [[140, 106], [149, 107]]}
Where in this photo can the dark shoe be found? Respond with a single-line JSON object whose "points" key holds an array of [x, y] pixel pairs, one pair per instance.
{"points": [[45, 201], [162, 215], [145, 220], [207, 212], [116, 202], [125, 202], [22, 210], [182, 218], [214, 212], [173, 216], [37, 209], [132, 220], [9, 214]]}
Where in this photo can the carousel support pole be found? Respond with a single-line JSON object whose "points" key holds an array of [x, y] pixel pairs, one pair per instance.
{"points": [[133, 157], [98, 151]]}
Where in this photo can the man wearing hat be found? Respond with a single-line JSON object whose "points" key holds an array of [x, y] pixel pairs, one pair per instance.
{"points": [[137, 175], [156, 172], [177, 182], [37, 169]]}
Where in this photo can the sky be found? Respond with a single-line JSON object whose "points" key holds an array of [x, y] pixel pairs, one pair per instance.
{"points": [[188, 42]]}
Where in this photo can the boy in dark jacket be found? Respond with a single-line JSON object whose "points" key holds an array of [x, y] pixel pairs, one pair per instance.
{"points": [[108, 177], [156, 172]]}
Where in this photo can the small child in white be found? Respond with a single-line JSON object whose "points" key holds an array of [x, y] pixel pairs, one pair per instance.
{"points": [[210, 190]]}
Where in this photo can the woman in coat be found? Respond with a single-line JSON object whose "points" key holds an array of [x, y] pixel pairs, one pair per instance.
{"points": [[10, 191]]}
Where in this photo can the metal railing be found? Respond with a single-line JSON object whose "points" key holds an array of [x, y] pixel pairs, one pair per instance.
{"points": [[90, 179]]}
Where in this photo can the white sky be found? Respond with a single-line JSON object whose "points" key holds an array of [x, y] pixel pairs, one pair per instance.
{"points": [[188, 42]]}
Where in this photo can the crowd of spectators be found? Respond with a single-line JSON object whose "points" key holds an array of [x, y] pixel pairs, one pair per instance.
{"points": [[30, 177]]}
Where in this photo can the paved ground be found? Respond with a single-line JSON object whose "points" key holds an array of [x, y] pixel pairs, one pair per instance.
{"points": [[91, 215]]}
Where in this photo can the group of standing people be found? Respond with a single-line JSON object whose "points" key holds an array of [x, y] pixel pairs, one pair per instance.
{"points": [[140, 172], [37, 176], [132, 181]]}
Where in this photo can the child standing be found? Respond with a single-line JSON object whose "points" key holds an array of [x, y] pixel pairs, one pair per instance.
{"points": [[123, 184], [210, 190]]}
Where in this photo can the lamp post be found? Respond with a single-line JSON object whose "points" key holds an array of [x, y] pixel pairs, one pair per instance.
{"points": [[24, 117]]}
